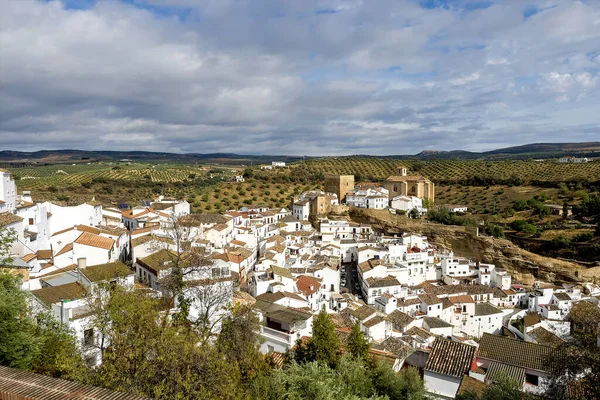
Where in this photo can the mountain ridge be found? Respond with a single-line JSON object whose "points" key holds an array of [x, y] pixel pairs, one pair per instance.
{"points": [[532, 150]]}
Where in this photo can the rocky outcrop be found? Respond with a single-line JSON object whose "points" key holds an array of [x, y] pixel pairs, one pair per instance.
{"points": [[523, 265]]}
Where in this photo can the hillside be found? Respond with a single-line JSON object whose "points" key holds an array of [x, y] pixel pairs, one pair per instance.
{"points": [[8, 157], [535, 150]]}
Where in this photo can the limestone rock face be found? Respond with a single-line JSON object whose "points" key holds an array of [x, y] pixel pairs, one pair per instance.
{"points": [[523, 265]]}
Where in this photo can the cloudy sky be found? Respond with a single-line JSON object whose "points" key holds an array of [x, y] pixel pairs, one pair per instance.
{"points": [[298, 77]]}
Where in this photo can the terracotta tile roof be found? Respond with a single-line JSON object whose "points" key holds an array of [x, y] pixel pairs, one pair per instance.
{"points": [[88, 229], [16, 384], [514, 352], [457, 289], [243, 298], [158, 261], [451, 358], [429, 299], [270, 297], [68, 247], [373, 321], [89, 239], [531, 319], [463, 298], [498, 371], [369, 264], [562, 296], [383, 282], [363, 313], [7, 218], [471, 385], [204, 219], [105, 272], [434, 322], [54, 294], [238, 243], [141, 240], [307, 284], [420, 332], [281, 271], [545, 337], [44, 254], [399, 319], [482, 309], [408, 302], [29, 257], [396, 346]]}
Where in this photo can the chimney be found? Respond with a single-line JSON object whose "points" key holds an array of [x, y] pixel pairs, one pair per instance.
{"points": [[81, 263]]}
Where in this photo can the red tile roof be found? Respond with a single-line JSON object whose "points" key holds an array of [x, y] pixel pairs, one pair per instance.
{"points": [[89, 239]]}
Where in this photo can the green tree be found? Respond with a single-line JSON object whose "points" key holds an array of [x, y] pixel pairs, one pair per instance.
{"points": [[577, 362], [323, 346], [505, 389], [152, 356], [357, 344], [239, 342], [34, 342], [318, 381], [404, 385]]}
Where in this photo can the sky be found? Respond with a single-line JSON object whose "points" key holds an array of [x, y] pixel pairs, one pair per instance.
{"points": [[298, 77]]}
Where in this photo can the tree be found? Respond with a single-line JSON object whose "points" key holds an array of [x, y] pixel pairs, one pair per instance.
{"points": [[405, 385], [193, 282], [7, 238], [323, 346], [357, 344], [576, 365], [34, 341], [505, 389], [248, 173], [239, 342], [148, 354], [315, 380], [414, 213]]}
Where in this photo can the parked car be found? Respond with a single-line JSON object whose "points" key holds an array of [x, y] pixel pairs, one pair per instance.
{"points": [[343, 282], [356, 286]]}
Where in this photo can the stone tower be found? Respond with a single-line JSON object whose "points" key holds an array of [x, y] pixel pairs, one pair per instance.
{"points": [[339, 184]]}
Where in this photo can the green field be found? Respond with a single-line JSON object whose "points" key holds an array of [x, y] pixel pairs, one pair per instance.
{"points": [[61, 175], [440, 171]]}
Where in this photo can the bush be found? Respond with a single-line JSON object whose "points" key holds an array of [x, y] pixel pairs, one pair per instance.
{"points": [[561, 242], [583, 237]]}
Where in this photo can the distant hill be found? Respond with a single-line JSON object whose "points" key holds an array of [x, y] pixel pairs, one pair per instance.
{"points": [[535, 150], [79, 156]]}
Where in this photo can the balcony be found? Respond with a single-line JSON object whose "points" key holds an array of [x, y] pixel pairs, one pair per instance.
{"points": [[270, 334]]}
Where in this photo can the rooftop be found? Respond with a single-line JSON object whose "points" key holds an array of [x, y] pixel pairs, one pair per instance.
{"points": [[514, 352], [448, 357], [104, 272], [54, 294], [28, 385], [89, 239]]}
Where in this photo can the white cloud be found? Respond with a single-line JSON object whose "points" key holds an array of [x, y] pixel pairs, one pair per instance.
{"points": [[264, 76]]}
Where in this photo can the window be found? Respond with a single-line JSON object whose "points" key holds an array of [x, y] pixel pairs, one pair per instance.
{"points": [[532, 379], [88, 337], [439, 306], [270, 349]]}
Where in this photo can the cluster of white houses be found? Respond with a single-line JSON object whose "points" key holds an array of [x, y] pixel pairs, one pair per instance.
{"points": [[460, 321]]}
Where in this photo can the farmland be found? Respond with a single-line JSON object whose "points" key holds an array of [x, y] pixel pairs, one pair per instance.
{"points": [[112, 182], [456, 171]]}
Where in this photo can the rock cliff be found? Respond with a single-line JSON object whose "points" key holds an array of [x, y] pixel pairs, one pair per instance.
{"points": [[524, 266]]}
